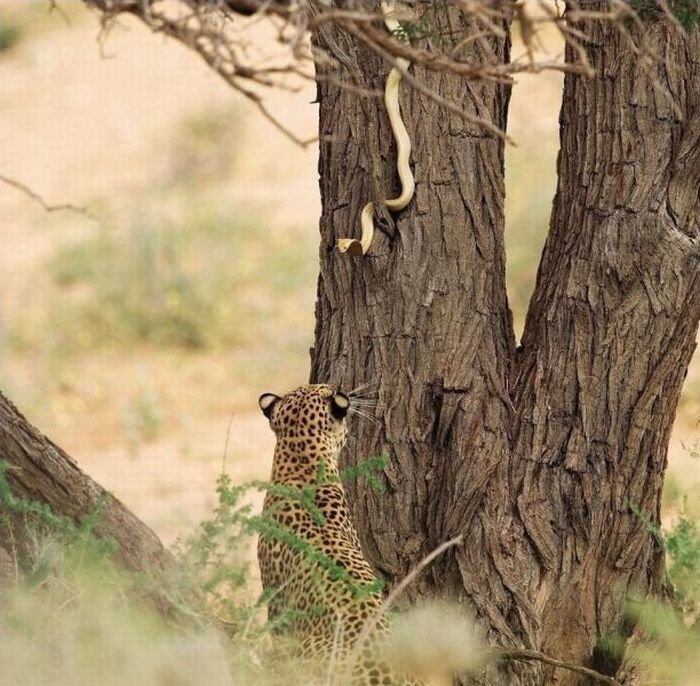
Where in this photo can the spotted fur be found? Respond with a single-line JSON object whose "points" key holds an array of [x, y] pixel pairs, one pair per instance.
{"points": [[323, 600]]}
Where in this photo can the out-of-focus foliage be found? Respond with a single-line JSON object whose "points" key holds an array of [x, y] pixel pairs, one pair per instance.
{"points": [[683, 547], [183, 269], [669, 649], [72, 618], [10, 34]]}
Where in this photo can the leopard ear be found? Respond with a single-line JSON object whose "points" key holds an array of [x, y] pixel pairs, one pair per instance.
{"points": [[340, 404], [267, 402]]}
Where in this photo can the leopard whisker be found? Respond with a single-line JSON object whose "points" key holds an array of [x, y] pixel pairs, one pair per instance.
{"points": [[364, 404], [369, 404], [366, 395], [363, 414], [369, 387]]}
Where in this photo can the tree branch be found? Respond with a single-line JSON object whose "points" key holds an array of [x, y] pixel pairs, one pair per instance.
{"points": [[372, 621], [40, 201], [526, 655], [38, 471], [210, 28]]}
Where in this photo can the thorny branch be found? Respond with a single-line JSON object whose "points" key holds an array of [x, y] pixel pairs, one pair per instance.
{"points": [[224, 32]]}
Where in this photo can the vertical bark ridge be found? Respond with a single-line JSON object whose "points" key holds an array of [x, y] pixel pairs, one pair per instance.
{"points": [[544, 486], [425, 315], [609, 334]]}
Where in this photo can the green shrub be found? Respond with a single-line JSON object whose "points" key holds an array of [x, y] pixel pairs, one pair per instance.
{"points": [[670, 650], [202, 282], [10, 34], [683, 548], [142, 417], [74, 618]]}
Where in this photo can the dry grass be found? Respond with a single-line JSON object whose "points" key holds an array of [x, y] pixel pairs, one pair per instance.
{"points": [[73, 618]]}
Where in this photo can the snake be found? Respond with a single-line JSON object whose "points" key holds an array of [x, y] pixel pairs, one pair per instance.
{"points": [[353, 246]]}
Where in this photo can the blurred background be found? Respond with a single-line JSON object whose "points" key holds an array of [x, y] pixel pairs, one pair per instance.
{"points": [[140, 342]]}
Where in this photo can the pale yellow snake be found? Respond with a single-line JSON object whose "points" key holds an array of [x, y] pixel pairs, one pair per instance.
{"points": [[403, 146]]}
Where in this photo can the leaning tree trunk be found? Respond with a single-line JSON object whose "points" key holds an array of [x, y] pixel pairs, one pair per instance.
{"points": [[539, 457], [38, 471]]}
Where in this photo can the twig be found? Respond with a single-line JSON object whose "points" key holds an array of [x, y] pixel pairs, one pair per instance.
{"points": [[55, 7], [40, 201], [212, 28], [408, 579], [205, 44], [524, 654], [372, 621], [435, 97], [228, 437]]}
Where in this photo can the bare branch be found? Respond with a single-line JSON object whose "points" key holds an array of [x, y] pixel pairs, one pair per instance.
{"points": [[218, 31], [372, 621], [425, 562], [452, 107], [523, 654], [40, 201]]}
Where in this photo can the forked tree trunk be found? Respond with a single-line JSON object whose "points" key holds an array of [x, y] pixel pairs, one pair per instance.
{"points": [[539, 456], [542, 457]]}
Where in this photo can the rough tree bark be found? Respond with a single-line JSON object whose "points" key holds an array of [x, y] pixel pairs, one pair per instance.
{"points": [[40, 471], [539, 455], [425, 316], [609, 334]]}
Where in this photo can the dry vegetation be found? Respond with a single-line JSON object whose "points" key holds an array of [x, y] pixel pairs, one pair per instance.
{"points": [[195, 169], [140, 341]]}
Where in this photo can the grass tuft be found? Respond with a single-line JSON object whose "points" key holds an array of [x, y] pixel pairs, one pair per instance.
{"points": [[92, 625]]}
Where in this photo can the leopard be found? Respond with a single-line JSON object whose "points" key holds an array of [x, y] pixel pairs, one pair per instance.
{"points": [[322, 589]]}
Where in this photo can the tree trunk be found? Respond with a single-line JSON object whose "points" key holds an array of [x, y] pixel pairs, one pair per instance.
{"points": [[539, 456], [39, 471], [425, 317], [609, 334]]}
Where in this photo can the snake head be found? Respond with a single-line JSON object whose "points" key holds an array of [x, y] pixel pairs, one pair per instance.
{"points": [[351, 246]]}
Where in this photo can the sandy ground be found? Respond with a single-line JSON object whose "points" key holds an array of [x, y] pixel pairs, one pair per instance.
{"points": [[78, 126]]}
